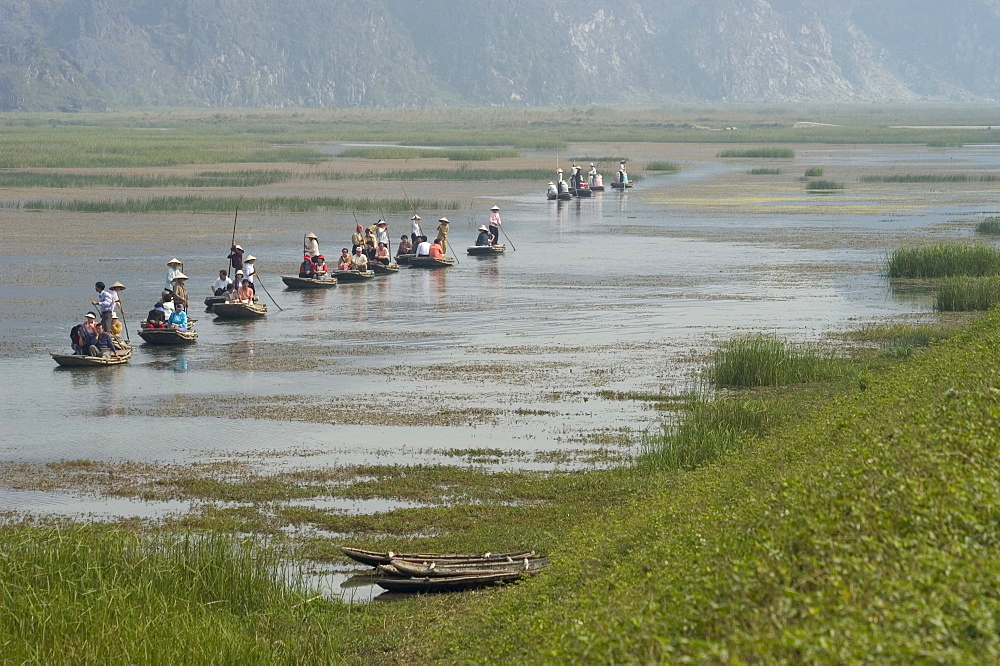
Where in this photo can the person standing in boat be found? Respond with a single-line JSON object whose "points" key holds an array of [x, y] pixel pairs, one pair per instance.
{"points": [[622, 175], [105, 304], [310, 245], [593, 174], [382, 233], [221, 285], [251, 271], [561, 186], [442, 237], [484, 239], [236, 257], [358, 238], [495, 225], [415, 231], [117, 288], [180, 291], [173, 268]]}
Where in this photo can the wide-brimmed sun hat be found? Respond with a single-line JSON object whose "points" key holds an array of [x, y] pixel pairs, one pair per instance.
{"points": [[495, 208], [250, 257], [416, 217], [445, 220], [117, 285], [180, 276], [175, 260], [482, 227], [311, 235]]}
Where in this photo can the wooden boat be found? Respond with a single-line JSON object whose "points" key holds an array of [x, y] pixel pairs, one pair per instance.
{"points": [[616, 185], [240, 310], [580, 192], [449, 584], [596, 188], [431, 262], [296, 282], [374, 558], [437, 570], [80, 361], [404, 258], [486, 250], [214, 300], [353, 276], [384, 269], [167, 336]]}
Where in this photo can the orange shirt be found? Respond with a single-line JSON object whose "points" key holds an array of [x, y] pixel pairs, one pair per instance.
{"points": [[436, 251]]}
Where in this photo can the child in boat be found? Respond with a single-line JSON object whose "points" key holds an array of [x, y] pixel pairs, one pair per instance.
{"points": [[116, 325]]}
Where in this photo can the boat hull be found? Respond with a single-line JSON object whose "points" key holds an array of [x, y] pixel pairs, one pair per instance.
{"points": [[295, 282], [240, 310], [167, 336], [346, 277], [451, 584], [486, 250], [78, 361], [619, 186], [445, 570], [374, 558], [402, 259], [431, 262], [381, 269]]}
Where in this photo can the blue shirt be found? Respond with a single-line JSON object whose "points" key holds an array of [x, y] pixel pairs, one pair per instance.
{"points": [[178, 317]]}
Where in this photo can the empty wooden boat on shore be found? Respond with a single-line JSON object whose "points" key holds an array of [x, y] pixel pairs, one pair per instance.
{"points": [[486, 250], [447, 570], [450, 584], [296, 282], [240, 310], [374, 558], [167, 336]]}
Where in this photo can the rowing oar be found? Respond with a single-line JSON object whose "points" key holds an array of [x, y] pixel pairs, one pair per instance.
{"points": [[124, 318], [268, 293], [230, 267]]}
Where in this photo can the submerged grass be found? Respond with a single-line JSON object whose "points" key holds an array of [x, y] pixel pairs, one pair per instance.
{"points": [[989, 226], [931, 178], [814, 172], [216, 204], [765, 360], [966, 294], [777, 152], [943, 260]]}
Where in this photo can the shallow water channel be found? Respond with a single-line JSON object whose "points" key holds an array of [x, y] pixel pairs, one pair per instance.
{"points": [[622, 292]]}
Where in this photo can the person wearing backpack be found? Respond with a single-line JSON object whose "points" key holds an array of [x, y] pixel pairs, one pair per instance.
{"points": [[82, 335]]}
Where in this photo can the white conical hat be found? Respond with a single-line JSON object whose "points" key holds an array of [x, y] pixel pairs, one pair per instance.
{"points": [[175, 260]]}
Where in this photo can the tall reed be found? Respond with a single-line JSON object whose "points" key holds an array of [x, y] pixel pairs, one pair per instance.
{"points": [[762, 151], [660, 165], [943, 260], [966, 294], [765, 360], [989, 226]]}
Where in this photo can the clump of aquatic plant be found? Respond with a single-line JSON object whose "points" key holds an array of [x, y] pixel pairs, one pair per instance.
{"points": [[707, 428], [819, 185], [943, 260], [762, 151], [400, 153], [660, 165], [764, 172], [966, 294], [931, 178], [766, 360], [989, 226], [814, 172], [901, 340]]}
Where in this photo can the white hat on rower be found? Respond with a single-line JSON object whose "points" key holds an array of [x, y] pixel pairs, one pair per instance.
{"points": [[444, 220], [180, 276], [250, 257], [482, 227], [311, 235], [175, 260], [495, 208], [238, 247], [416, 217]]}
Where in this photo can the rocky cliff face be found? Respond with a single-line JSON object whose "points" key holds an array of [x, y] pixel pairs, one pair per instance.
{"points": [[96, 54]]}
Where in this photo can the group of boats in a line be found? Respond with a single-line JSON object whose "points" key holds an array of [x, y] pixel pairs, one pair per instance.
{"points": [[578, 186]]}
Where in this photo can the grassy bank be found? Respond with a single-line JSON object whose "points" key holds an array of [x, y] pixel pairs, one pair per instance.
{"points": [[866, 532]]}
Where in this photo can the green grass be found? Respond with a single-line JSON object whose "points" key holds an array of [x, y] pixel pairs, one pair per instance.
{"points": [[765, 172], [194, 204], [816, 185], [660, 165], [943, 260], [814, 172], [901, 340], [989, 226], [777, 152], [764, 360], [967, 294], [239, 178], [457, 155]]}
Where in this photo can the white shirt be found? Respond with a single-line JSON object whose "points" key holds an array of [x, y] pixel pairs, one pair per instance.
{"points": [[423, 249], [311, 247], [359, 262], [382, 236], [221, 283], [249, 270], [171, 274]]}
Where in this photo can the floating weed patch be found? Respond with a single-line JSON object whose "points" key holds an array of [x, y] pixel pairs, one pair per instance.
{"points": [[943, 260], [764, 360], [776, 152], [824, 185], [191, 204], [814, 172], [989, 226], [706, 429], [764, 172], [965, 294]]}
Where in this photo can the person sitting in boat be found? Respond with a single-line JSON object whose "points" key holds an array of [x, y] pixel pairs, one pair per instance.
{"points": [[359, 262], [306, 267], [310, 245], [358, 238], [423, 247], [231, 293], [344, 263], [178, 320], [236, 257], [553, 191], [404, 246], [484, 238], [436, 250], [116, 325], [167, 299], [382, 254], [245, 293], [319, 269], [173, 268], [103, 346], [83, 335], [180, 290], [221, 285], [156, 317], [251, 270]]}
